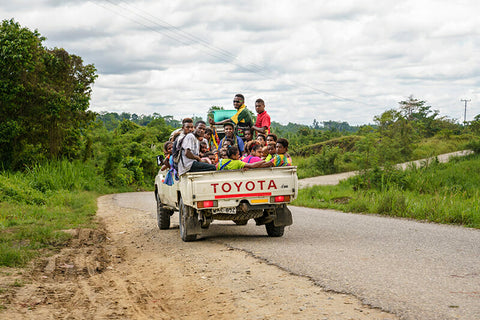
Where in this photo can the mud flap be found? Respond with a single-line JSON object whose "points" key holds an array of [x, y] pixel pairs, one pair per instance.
{"points": [[193, 225], [283, 217]]}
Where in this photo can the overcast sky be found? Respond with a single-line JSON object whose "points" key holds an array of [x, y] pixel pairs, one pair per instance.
{"points": [[343, 60]]}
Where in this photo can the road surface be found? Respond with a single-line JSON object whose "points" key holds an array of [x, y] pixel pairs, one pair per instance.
{"points": [[413, 269]]}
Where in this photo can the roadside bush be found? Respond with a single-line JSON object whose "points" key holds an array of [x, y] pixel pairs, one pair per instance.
{"points": [[391, 202], [14, 188], [65, 175], [380, 179], [474, 145]]}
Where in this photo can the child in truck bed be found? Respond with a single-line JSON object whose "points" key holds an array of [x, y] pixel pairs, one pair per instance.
{"points": [[233, 162], [167, 151], [254, 150], [281, 159], [272, 150]]}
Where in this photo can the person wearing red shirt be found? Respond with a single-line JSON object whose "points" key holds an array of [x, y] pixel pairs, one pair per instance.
{"points": [[262, 125]]}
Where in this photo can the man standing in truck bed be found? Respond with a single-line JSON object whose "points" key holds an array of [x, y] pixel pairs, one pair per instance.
{"points": [[262, 126], [242, 118]]}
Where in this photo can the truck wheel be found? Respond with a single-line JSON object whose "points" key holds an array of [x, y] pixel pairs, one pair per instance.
{"points": [[163, 215], [184, 214], [273, 231]]}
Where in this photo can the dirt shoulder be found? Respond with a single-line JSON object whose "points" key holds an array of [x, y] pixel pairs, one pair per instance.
{"points": [[128, 269]]}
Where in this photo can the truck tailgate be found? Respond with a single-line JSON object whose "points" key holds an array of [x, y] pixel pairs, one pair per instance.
{"points": [[228, 187]]}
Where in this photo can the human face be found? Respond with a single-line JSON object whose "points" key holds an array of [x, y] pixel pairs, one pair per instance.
{"points": [[169, 148], [271, 149], [264, 152], [248, 135], [259, 107], [236, 156], [260, 139], [200, 130], [207, 136], [270, 139], [237, 102], [203, 148], [228, 131], [281, 149], [187, 127]]}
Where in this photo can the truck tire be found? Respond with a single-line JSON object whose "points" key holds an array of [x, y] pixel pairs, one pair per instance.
{"points": [[185, 214], [273, 231], [163, 215]]}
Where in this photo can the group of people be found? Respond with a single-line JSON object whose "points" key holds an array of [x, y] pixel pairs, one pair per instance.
{"points": [[197, 147]]}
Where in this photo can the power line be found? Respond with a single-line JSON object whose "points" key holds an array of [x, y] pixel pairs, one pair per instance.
{"points": [[176, 34]]}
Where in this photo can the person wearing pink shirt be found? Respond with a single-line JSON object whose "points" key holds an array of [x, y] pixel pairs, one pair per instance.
{"points": [[255, 152]]}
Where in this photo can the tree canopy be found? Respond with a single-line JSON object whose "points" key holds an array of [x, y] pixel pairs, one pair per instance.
{"points": [[44, 97]]}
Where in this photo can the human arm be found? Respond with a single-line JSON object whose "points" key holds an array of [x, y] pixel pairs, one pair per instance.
{"points": [[261, 130], [241, 145], [210, 120], [258, 164], [166, 163]]}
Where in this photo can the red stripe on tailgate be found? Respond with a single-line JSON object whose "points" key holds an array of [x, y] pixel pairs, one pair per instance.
{"points": [[243, 195]]}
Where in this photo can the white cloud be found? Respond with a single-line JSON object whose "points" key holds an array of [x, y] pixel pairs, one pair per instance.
{"points": [[345, 60]]}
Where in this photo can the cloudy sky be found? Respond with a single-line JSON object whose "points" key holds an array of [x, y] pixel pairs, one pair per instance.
{"points": [[343, 60]]}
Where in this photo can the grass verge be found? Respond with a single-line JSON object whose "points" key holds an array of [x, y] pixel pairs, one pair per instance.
{"points": [[35, 206]]}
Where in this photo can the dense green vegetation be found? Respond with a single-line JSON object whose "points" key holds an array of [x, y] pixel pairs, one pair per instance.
{"points": [[56, 156], [412, 131], [437, 192], [44, 97]]}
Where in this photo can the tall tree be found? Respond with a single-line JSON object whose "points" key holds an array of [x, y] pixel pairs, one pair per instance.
{"points": [[44, 97]]}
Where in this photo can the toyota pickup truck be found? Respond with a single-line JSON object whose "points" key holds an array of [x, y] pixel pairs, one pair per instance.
{"points": [[200, 198]]}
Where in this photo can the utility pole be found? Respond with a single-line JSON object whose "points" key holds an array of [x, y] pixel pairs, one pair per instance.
{"points": [[465, 114]]}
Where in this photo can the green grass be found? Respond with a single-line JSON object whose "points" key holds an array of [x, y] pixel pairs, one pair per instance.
{"points": [[429, 147], [37, 205], [442, 193], [334, 159]]}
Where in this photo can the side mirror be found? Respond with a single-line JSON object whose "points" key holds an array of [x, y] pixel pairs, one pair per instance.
{"points": [[160, 159]]}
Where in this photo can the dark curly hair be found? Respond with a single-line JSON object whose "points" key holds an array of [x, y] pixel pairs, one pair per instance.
{"points": [[231, 151]]}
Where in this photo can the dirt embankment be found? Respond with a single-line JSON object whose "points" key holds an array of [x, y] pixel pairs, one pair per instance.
{"points": [[128, 269]]}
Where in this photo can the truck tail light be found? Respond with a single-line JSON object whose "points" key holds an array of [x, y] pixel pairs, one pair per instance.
{"points": [[207, 204], [280, 199]]}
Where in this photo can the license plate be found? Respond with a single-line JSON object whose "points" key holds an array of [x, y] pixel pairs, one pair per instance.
{"points": [[225, 210]]}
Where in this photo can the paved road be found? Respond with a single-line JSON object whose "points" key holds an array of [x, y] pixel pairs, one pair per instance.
{"points": [[415, 270]]}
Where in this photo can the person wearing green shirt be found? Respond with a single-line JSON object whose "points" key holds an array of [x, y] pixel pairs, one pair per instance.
{"points": [[233, 162], [242, 118]]}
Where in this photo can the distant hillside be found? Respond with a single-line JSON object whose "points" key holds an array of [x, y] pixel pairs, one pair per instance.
{"points": [[346, 143]]}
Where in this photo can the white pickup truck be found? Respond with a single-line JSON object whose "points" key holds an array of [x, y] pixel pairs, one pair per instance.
{"points": [[201, 197]]}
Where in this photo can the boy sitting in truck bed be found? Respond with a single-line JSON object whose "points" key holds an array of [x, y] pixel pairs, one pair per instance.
{"points": [[281, 159], [272, 150], [230, 134]]}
